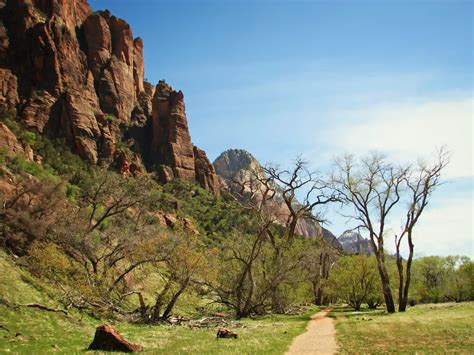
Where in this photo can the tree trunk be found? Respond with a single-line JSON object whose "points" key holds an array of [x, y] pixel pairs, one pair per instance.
{"points": [[159, 301], [384, 278], [173, 300], [402, 304], [401, 282]]}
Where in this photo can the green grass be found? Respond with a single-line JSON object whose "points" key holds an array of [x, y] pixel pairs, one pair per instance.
{"points": [[39, 331], [43, 332], [426, 329], [266, 335]]}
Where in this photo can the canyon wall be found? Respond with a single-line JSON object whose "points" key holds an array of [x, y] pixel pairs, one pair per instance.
{"points": [[69, 72]]}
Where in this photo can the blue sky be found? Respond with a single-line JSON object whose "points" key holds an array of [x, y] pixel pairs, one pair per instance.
{"points": [[319, 78]]}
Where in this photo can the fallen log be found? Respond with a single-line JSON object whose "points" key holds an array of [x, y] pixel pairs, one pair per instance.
{"points": [[40, 306]]}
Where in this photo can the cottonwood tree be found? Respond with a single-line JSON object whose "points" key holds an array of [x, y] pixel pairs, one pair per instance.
{"points": [[319, 259], [103, 234], [459, 278], [430, 278], [186, 265], [235, 278], [437, 279], [355, 280], [420, 182], [272, 194], [372, 187], [314, 192], [300, 180]]}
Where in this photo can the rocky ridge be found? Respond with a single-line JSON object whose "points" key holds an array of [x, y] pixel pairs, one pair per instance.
{"points": [[69, 72]]}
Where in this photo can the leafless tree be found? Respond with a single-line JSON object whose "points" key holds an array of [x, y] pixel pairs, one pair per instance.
{"points": [[272, 193], [420, 183], [299, 180], [372, 188]]}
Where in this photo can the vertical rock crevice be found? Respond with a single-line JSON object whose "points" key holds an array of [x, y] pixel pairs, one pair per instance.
{"points": [[73, 73]]}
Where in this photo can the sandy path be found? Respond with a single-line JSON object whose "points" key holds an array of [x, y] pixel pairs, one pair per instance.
{"points": [[319, 337]]}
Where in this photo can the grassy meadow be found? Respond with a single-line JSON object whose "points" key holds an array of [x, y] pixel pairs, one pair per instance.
{"points": [[34, 331], [423, 329], [428, 329]]}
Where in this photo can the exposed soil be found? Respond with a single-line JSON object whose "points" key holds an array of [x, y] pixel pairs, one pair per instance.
{"points": [[319, 337]]}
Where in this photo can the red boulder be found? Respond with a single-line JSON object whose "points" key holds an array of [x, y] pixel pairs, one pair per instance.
{"points": [[108, 339]]}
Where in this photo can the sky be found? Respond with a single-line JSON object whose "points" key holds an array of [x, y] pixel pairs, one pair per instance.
{"points": [[317, 79]]}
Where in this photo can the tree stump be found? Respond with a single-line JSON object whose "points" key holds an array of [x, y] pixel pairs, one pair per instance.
{"points": [[226, 333], [108, 339]]}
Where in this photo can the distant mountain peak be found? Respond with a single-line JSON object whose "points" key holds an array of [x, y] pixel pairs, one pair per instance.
{"points": [[353, 242], [232, 161]]}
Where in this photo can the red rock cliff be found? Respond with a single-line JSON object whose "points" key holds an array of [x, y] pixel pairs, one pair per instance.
{"points": [[69, 72]]}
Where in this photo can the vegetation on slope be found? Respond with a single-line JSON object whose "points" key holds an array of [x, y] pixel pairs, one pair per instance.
{"points": [[30, 330], [131, 246]]}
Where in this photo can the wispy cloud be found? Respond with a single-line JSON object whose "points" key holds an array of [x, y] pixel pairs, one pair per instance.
{"points": [[447, 229], [408, 130]]}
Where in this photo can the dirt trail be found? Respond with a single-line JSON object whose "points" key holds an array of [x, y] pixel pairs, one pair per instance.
{"points": [[319, 337]]}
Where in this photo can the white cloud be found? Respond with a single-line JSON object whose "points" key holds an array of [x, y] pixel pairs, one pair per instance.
{"points": [[409, 130], [446, 230]]}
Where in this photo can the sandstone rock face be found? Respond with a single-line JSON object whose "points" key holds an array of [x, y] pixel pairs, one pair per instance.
{"points": [[37, 110], [8, 91], [116, 90], [9, 142], [106, 338], [205, 173], [79, 75], [138, 66], [122, 40], [129, 165], [99, 42], [237, 164], [4, 44], [171, 142], [73, 13], [80, 123]]}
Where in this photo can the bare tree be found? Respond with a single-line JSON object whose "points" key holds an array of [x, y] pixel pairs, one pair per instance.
{"points": [[420, 182], [314, 190], [272, 194], [373, 189]]}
